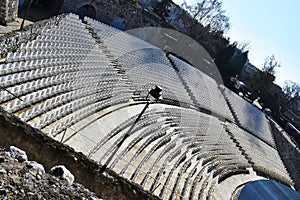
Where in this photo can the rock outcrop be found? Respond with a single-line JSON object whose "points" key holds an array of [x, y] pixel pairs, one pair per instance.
{"points": [[28, 180]]}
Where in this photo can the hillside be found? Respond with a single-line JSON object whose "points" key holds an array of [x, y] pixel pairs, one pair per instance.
{"points": [[130, 120]]}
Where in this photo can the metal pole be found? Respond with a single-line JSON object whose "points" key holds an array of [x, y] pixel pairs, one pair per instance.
{"points": [[124, 138], [2, 88], [61, 141], [25, 15]]}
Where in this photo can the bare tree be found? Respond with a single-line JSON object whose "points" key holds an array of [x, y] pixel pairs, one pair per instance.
{"points": [[243, 46], [270, 64], [209, 13], [291, 89]]}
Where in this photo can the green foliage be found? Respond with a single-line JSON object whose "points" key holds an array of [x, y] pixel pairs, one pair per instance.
{"points": [[262, 84], [223, 61], [270, 94], [230, 61]]}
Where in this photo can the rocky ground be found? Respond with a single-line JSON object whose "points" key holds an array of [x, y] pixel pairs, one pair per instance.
{"points": [[289, 153], [21, 179]]}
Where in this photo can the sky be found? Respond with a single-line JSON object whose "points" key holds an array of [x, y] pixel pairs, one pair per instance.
{"points": [[271, 27]]}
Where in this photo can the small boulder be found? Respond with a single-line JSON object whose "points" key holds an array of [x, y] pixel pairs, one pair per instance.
{"points": [[35, 165], [3, 192], [62, 172], [3, 171], [18, 154]]}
